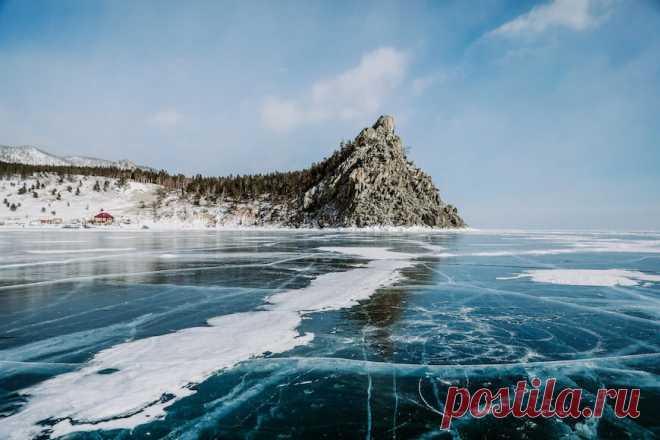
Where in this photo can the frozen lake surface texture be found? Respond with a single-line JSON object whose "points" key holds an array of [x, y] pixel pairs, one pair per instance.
{"points": [[308, 335]]}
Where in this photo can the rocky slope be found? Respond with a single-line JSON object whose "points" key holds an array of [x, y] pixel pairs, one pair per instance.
{"points": [[375, 184]]}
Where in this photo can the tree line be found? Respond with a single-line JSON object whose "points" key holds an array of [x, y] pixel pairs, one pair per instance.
{"points": [[276, 184]]}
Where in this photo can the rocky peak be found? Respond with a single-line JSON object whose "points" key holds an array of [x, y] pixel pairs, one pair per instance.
{"points": [[385, 122], [381, 130], [375, 184]]}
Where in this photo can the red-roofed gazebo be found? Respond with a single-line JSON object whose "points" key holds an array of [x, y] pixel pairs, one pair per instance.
{"points": [[104, 218]]}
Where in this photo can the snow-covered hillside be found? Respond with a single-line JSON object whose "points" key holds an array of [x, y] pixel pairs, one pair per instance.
{"points": [[47, 198], [75, 199], [82, 161], [30, 155]]}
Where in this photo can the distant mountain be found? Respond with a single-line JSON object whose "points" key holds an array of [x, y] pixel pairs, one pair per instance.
{"points": [[30, 155]]}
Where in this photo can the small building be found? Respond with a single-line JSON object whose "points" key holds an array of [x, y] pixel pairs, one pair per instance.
{"points": [[50, 221], [103, 218]]}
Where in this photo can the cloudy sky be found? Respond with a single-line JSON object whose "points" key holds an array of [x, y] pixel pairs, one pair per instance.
{"points": [[527, 113]]}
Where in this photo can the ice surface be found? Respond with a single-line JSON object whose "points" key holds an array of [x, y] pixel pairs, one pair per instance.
{"points": [[78, 251], [147, 370], [247, 333]]}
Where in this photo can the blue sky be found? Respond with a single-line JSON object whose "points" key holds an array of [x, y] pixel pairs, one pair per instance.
{"points": [[526, 113]]}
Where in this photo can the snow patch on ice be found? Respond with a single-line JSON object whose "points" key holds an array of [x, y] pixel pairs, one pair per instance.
{"points": [[372, 253], [144, 386], [338, 290], [587, 277]]}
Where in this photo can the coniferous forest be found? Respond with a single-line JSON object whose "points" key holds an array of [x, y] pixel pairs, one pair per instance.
{"points": [[276, 184]]}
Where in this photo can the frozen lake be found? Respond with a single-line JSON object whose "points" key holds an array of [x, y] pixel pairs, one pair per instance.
{"points": [[195, 334]]}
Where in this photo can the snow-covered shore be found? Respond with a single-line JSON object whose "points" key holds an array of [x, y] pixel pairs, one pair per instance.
{"points": [[47, 201], [174, 226]]}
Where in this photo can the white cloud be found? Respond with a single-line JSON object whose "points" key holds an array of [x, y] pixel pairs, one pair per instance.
{"points": [[165, 118], [280, 114], [438, 78], [355, 93], [577, 15], [420, 85]]}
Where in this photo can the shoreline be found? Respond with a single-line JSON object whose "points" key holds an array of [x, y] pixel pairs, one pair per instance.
{"points": [[237, 228], [160, 227]]}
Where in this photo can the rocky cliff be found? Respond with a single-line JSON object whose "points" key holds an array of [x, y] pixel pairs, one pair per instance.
{"points": [[375, 184]]}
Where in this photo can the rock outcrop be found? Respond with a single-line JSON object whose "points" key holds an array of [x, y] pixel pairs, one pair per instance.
{"points": [[375, 184]]}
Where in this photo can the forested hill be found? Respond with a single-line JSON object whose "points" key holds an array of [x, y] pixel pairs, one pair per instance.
{"points": [[367, 181], [278, 184]]}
